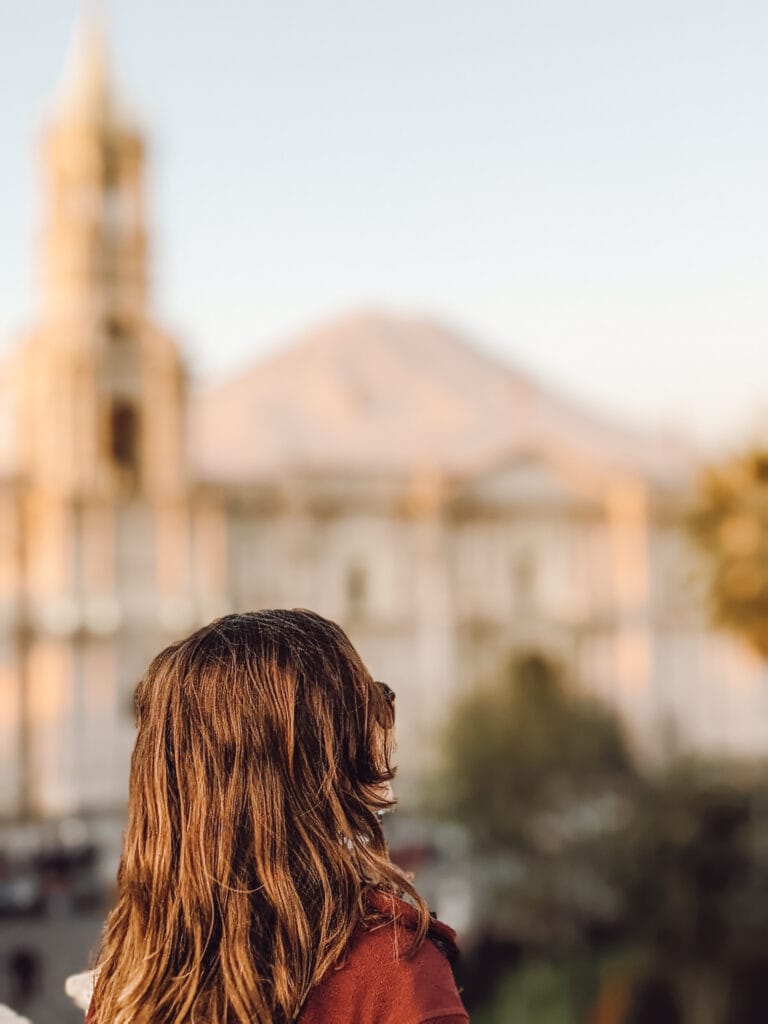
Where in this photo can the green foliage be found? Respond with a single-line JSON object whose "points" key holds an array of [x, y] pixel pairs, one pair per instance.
{"points": [[525, 749], [540, 992], [729, 523], [578, 853], [691, 865]]}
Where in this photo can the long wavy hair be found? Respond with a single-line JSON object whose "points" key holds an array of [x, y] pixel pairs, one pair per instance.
{"points": [[257, 778]]}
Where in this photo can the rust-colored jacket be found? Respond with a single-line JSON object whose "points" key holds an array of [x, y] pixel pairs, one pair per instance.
{"points": [[378, 983]]}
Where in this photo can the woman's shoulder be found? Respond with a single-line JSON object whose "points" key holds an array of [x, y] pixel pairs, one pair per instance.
{"points": [[389, 910], [384, 979]]}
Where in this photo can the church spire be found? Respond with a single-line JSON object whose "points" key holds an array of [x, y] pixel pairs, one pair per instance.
{"points": [[94, 238], [87, 94]]}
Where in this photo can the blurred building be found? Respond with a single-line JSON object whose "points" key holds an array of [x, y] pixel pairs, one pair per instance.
{"points": [[446, 508]]}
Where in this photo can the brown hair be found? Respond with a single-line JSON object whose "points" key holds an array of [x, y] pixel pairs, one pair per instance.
{"points": [[253, 835]]}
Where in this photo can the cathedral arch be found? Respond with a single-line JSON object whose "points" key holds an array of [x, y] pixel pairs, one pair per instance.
{"points": [[124, 434]]}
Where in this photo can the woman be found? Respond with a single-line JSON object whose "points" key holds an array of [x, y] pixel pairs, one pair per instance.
{"points": [[255, 883]]}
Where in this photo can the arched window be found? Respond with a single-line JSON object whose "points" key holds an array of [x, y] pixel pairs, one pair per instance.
{"points": [[116, 330], [124, 434], [110, 167]]}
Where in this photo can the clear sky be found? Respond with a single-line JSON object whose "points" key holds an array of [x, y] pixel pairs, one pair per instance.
{"points": [[580, 184]]}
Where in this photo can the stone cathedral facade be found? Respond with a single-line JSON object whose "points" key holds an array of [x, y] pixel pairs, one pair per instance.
{"points": [[449, 510]]}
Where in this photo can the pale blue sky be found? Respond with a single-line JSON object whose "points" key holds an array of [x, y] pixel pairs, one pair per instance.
{"points": [[581, 185]]}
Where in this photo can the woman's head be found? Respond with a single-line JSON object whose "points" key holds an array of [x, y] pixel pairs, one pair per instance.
{"points": [[262, 757]]}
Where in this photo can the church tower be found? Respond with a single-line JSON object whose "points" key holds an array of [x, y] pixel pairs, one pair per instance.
{"points": [[102, 401], [104, 520]]}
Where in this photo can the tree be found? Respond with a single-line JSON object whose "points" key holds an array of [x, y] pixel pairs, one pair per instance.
{"points": [[728, 521], [538, 774], [527, 750], [667, 868]]}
